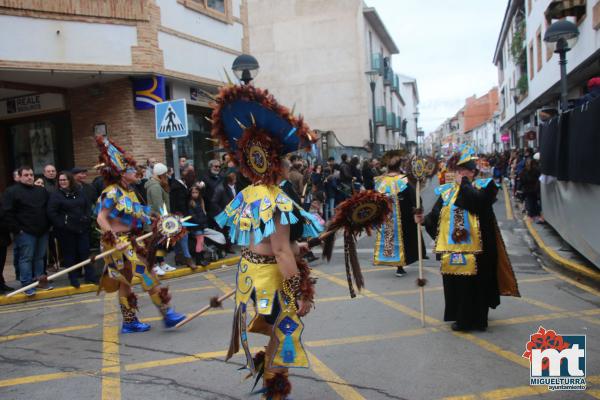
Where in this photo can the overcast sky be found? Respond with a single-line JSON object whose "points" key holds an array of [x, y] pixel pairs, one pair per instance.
{"points": [[448, 46]]}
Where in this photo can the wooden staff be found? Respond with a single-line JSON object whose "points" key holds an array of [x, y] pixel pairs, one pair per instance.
{"points": [[420, 247], [215, 302], [76, 266]]}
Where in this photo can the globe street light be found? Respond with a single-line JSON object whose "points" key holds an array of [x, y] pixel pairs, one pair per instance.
{"points": [[373, 75], [563, 34], [245, 67]]}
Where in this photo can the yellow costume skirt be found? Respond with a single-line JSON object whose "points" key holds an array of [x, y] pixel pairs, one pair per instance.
{"points": [[259, 279], [122, 266]]}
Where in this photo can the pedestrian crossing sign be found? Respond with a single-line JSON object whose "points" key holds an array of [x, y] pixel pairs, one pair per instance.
{"points": [[171, 119]]}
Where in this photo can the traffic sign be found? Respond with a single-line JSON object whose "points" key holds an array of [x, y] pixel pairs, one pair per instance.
{"points": [[171, 119]]}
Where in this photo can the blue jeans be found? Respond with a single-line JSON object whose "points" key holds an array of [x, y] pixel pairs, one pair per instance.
{"points": [[16, 260], [32, 250], [329, 208], [183, 247]]}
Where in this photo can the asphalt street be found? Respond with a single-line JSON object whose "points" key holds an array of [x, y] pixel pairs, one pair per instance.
{"points": [[370, 347]]}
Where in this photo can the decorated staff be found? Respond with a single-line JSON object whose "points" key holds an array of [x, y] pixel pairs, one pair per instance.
{"points": [[421, 169]]}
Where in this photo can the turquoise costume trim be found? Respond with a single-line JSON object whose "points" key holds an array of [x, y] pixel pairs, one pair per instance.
{"points": [[124, 206], [252, 212], [482, 183]]}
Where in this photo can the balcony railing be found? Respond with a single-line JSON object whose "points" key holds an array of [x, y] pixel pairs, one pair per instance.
{"points": [[388, 76], [398, 124], [396, 84], [390, 118], [377, 62], [380, 116]]}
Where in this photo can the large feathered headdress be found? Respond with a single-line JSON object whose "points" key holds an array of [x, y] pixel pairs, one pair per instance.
{"points": [[114, 161], [257, 131], [465, 157]]}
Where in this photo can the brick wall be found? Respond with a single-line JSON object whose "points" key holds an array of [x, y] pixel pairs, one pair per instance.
{"points": [[112, 104]]}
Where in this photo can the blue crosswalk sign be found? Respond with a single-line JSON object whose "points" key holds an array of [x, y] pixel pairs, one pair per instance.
{"points": [[171, 119]]}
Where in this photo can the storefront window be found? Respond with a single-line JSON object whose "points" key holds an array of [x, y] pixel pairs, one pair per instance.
{"points": [[41, 142]]}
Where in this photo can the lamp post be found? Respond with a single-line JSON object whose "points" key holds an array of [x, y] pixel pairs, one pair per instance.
{"points": [[515, 97], [563, 34], [245, 67], [416, 115], [373, 75]]}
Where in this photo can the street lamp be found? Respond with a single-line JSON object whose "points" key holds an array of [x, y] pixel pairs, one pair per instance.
{"points": [[245, 67], [515, 97], [416, 115], [563, 34], [373, 75]]}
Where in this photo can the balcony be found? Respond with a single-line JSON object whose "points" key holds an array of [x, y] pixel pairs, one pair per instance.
{"points": [[377, 62], [396, 84], [398, 124], [388, 76], [380, 116], [390, 121]]}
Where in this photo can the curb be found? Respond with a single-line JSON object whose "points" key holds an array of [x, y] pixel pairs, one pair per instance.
{"points": [[557, 258], [88, 288]]}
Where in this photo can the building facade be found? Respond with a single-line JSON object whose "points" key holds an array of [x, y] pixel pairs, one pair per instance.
{"points": [[71, 69], [317, 55], [528, 69], [410, 93]]}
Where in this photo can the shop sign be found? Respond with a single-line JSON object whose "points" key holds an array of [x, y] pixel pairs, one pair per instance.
{"points": [[505, 138], [31, 104], [149, 92]]}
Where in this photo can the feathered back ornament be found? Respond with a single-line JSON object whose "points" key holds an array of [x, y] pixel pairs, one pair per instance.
{"points": [[113, 160], [363, 212], [391, 154], [257, 131]]}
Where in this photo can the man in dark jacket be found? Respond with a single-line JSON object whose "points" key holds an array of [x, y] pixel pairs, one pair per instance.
{"points": [[49, 178], [212, 179], [80, 175], [25, 208]]}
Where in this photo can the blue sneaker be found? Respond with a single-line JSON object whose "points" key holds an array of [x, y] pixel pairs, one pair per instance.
{"points": [[30, 292], [172, 318], [134, 327]]}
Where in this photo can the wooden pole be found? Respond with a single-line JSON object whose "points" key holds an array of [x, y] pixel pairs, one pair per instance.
{"points": [[420, 247], [204, 309], [76, 266]]}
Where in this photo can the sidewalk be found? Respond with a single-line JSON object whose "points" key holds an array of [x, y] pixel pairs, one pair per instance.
{"points": [[560, 253]]}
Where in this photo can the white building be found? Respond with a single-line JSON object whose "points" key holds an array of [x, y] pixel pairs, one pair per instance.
{"points": [[316, 55], [485, 137], [528, 70], [410, 93]]}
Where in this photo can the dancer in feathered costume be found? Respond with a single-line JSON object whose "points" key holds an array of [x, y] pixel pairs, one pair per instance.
{"points": [[396, 243], [272, 278], [475, 265], [121, 217]]}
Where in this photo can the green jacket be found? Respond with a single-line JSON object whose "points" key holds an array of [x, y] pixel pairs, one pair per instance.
{"points": [[157, 196]]}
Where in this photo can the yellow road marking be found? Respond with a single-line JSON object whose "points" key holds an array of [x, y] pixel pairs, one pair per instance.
{"points": [[595, 393], [211, 312], [535, 280], [36, 308], [390, 303], [540, 304], [503, 394], [42, 378], [175, 360], [489, 346], [47, 332], [336, 382], [507, 203], [554, 255], [111, 370], [573, 282], [218, 282], [369, 338]]}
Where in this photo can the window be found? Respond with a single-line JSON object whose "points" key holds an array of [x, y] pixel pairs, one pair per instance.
{"points": [[548, 46], [217, 9], [218, 5], [538, 45], [531, 63]]}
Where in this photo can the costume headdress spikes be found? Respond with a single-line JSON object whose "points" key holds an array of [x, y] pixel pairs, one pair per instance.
{"points": [[114, 160], [257, 130]]}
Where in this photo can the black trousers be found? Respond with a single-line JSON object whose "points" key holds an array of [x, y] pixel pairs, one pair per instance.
{"points": [[3, 250]]}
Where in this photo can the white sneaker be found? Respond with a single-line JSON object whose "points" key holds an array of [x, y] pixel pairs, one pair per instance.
{"points": [[167, 268], [158, 270]]}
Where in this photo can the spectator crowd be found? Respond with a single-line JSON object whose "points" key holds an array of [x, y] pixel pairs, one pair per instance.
{"points": [[50, 221]]}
